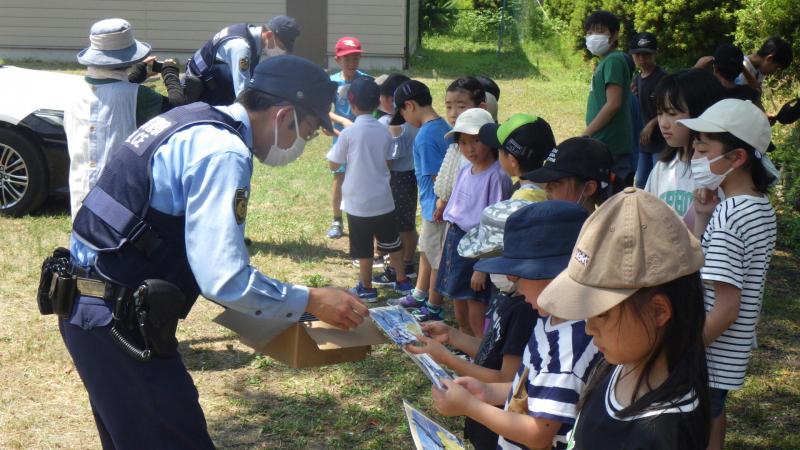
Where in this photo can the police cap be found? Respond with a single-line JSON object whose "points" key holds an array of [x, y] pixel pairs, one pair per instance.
{"points": [[299, 82]]}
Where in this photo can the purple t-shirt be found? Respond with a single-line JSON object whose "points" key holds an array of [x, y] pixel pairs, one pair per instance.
{"points": [[473, 192]]}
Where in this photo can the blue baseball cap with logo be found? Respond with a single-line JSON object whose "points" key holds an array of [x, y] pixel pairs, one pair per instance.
{"points": [[299, 82]]}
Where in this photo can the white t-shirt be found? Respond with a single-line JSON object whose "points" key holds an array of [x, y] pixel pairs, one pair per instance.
{"points": [[365, 147], [673, 183], [748, 66], [738, 244]]}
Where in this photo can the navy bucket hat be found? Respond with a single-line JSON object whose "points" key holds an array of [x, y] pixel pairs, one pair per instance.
{"points": [[112, 45], [538, 240]]}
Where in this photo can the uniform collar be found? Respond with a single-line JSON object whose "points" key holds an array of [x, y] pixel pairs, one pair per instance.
{"points": [[238, 112], [364, 118]]}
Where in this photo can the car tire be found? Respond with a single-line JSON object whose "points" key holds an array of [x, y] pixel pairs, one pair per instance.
{"points": [[23, 173]]}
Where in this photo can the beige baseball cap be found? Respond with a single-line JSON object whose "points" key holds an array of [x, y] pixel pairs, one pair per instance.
{"points": [[633, 241]]}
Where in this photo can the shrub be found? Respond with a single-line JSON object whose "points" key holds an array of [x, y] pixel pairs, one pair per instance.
{"points": [[480, 25], [438, 15]]}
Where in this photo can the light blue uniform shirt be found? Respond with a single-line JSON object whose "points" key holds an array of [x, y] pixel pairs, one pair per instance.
{"points": [[234, 50], [196, 173]]}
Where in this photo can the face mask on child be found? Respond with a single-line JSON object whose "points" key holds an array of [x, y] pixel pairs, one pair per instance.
{"points": [[704, 177], [502, 282], [598, 44]]}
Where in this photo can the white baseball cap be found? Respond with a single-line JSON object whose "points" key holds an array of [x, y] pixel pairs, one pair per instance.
{"points": [[740, 118], [470, 122]]}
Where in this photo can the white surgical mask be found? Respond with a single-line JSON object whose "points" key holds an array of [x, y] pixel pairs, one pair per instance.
{"points": [[282, 156], [703, 176], [503, 283], [598, 44]]}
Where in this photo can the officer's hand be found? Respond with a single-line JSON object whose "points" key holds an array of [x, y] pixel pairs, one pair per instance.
{"points": [[336, 307]]}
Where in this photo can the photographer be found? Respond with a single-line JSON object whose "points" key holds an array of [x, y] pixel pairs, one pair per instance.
{"points": [[112, 103]]}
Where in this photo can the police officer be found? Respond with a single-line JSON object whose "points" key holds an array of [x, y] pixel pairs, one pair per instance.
{"points": [[224, 64], [171, 205]]}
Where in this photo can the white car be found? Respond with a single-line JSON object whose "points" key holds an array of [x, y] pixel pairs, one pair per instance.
{"points": [[34, 161]]}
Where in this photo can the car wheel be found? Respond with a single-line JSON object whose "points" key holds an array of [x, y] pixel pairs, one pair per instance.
{"points": [[23, 174]]}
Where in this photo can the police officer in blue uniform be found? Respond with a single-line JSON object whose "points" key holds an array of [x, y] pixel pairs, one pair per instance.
{"points": [[225, 63], [165, 223]]}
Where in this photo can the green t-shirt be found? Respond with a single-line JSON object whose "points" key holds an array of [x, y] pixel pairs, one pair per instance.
{"points": [[618, 133]]}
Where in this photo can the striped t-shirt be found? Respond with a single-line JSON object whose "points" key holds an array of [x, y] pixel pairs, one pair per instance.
{"points": [[559, 359], [738, 244]]}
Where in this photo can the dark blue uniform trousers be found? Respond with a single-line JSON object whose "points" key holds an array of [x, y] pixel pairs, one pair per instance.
{"points": [[150, 405]]}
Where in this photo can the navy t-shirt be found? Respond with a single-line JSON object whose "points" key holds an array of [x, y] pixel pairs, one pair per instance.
{"points": [[646, 88]]}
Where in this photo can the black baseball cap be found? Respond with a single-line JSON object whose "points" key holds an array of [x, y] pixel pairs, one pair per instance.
{"points": [[579, 156], [286, 29], [391, 83], [410, 90], [299, 82], [643, 43], [364, 91], [525, 136]]}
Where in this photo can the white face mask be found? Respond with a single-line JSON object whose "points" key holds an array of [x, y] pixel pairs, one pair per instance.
{"points": [[503, 283], [282, 156], [598, 44], [703, 176]]}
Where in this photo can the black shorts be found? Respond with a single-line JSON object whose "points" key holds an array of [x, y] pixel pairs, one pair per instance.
{"points": [[362, 231], [404, 191]]}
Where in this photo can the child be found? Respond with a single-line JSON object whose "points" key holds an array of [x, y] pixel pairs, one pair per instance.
{"points": [[634, 277], [509, 322], [348, 55], [578, 170], [608, 118], [524, 141], [644, 49], [681, 95], [367, 197], [492, 91], [774, 55], [540, 408], [462, 94], [403, 180], [726, 64], [478, 185], [413, 104], [738, 241]]}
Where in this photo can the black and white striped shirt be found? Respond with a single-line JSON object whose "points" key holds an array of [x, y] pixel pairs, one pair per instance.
{"points": [[738, 244]]}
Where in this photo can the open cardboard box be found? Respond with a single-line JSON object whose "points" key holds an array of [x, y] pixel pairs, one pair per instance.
{"points": [[305, 343]]}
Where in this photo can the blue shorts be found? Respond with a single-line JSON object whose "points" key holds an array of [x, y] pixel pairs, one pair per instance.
{"points": [[717, 398], [455, 271]]}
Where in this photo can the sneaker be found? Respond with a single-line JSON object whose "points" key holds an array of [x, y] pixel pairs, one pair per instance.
{"points": [[410, 271], [387, 278], [408, 301], [403, 287], [368, 295], [335, 231], [425, 314]]}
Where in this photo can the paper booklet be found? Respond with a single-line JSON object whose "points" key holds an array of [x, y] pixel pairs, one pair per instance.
{"points": [[430, 368], [427, 434], [398, 324]]}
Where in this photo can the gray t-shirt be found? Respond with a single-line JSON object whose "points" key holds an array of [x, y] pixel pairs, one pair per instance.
{"points": [[402, 146]]}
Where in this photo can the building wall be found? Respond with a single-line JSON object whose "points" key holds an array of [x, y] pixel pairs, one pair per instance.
{"points": [[57, 29]]}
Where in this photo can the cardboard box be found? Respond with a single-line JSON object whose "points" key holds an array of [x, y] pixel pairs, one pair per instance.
{"points": [[303, 344]]}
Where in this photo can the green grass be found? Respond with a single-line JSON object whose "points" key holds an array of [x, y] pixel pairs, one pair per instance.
{"points": [[252, 401]]}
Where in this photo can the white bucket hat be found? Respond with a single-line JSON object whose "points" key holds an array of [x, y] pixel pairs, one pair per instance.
{"points": [[113, 46]]}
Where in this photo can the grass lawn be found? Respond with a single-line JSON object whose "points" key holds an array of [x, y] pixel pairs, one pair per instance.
{"points": [[251, 401]]}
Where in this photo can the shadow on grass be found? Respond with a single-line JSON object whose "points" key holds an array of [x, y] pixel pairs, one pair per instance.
{"points": [[454, 61], [299, 250]]}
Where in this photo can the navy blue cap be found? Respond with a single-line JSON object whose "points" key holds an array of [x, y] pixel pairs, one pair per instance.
{"points": [[410, 90], [538, 240], [286, 28], [364, 93], [299, 82], [575, 157]]}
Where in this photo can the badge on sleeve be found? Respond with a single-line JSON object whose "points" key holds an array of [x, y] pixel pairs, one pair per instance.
{"points": [[240, 199], [244, 64]]}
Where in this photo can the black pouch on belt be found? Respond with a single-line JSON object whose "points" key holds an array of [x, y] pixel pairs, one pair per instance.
{"points": [[56, 293], [163, 304]]}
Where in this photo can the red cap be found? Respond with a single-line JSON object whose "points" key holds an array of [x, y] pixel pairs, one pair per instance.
{"points": [[347, 45]]}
